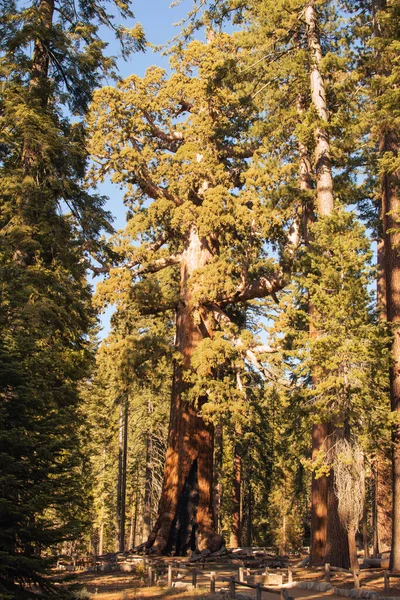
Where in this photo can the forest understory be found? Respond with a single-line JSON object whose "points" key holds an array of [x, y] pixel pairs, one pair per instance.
{"points": [[131, 586]]}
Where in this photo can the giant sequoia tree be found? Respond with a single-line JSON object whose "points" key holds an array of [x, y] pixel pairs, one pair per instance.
{"points": [[189, 151]]}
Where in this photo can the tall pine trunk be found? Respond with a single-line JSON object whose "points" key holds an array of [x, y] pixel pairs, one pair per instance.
{"points": [[185, 515], [391, 227], [236, 532], [328, 537], [121, 482], [148, 484], [390, 185]]}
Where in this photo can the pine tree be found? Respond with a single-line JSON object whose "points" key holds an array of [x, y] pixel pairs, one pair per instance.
{"points": [[49, 226]]}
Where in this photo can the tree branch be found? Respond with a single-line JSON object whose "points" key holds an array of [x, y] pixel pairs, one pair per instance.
{"points": [[168, 138], [156, 266]]}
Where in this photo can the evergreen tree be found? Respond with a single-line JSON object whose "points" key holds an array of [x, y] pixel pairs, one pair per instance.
{"points": [[181, 146], [49, 226]]}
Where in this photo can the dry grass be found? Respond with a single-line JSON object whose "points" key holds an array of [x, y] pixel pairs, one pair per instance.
{"points": [[128, 586], [123, 586]]}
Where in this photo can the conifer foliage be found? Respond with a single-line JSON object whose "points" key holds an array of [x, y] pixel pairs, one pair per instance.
{"points": [[51, 57], [181, 147]]}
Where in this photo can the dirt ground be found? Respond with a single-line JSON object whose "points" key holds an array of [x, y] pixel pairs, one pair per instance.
{"points": [[129, 586]]}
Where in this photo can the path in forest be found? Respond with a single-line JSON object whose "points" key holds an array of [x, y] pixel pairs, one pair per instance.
{"points": [[126, 586]]}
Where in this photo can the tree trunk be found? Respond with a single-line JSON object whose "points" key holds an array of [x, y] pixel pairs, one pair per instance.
{"points": [[236, 533], [101, 531], [217, 493], [185, 515], [322, 153], [124, 465], [319, 499], [351, 537], [391, 228], [121, 483], [328, 539], [148, 487], [337, 545], [365, 530], [381, 279], [119, 476], [249, 511], [375, 544], [390, 181]]}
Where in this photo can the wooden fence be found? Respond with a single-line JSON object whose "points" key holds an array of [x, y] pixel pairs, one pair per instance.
{"points": [[194, 572], [213, 576]]}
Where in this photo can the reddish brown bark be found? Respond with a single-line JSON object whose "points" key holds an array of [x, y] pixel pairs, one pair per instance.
{"points": [[328, 538], [319, 508], [218, 490], [391, 230], [390, 181], [337, 539], [352, 546], [236, 532], [148, 485], [185, 517]]}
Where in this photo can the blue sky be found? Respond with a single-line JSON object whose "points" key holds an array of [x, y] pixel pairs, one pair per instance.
{"points": [[157, 19]]}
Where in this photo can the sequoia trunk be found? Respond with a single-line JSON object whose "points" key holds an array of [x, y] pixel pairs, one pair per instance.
{"points": [[217, 492], [185, 516]]}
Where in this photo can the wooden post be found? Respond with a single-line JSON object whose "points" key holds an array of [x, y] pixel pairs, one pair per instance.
{"points": [[169, 576], [284, 594], [241, 577], [258, 592], [327, 572], [232, 594], [386, 580], [150, 575], [290, 575], [212, 582], [356, 576], [194, 579]]}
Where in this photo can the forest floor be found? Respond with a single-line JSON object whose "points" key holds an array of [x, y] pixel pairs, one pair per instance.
{"points": [[128, 586]]}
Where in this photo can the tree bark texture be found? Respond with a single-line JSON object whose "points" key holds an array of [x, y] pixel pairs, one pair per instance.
{"points": [[185, 516], [391, 226], [249, 532], [148, 484], [322, 153], [218, 490], [351, 537], [328, 538], [390, 182], [236, 532], [337, 541], [121, 482], [319, 508]]}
